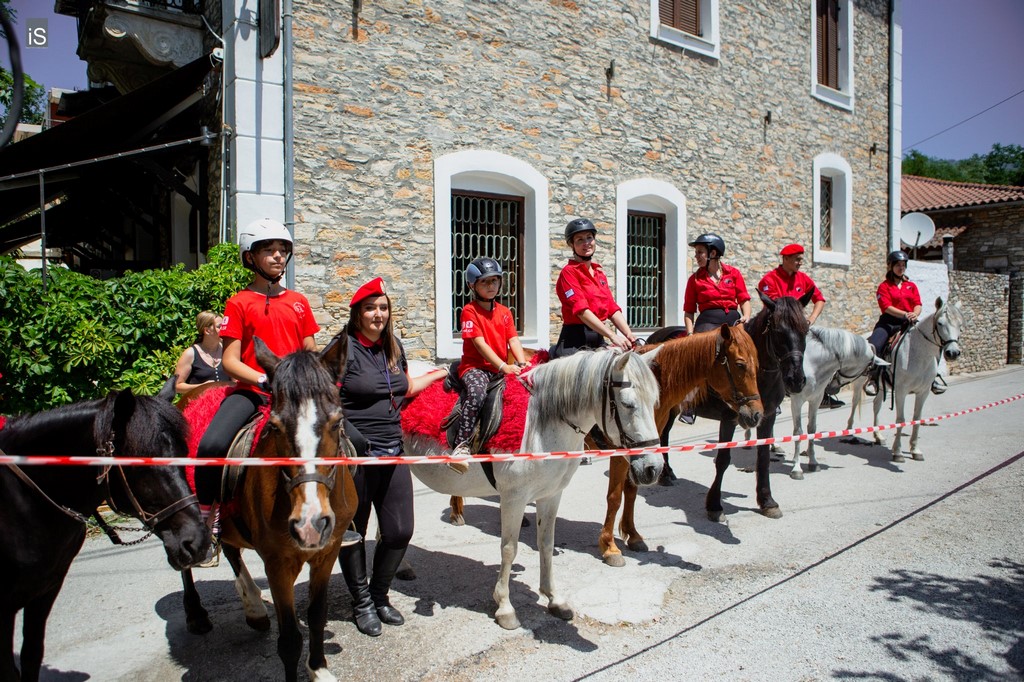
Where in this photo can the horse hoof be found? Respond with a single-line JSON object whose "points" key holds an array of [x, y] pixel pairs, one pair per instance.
{"points": [[715, 516], [261, 624], [458, 520], [638, 546], [320, 675], [666, 481], [898, 458], [772, 513], [525, 523], [199, 625], [615, 560], [812, 467], [507, 621], [796, 475], [560, 611], [918, 457]]}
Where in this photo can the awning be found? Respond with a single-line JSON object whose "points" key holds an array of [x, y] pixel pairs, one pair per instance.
{"points": [[136, 120]]}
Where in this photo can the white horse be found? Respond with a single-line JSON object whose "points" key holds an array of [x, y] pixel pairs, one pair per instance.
{"points": [[569, 396], [914, 367], [830, 353]]}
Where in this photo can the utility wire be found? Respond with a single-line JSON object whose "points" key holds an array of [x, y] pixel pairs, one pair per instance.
{"points": [[910, 146]]}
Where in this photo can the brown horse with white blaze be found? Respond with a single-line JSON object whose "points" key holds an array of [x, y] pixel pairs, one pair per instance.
{"points": [[291, 515], [725, 361]]}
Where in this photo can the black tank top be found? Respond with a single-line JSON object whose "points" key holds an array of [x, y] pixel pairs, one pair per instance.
{"points": [[203, 372]]}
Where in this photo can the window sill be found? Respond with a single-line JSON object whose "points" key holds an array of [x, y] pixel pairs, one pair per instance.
{"points": [[836, 98], [673, 36]]}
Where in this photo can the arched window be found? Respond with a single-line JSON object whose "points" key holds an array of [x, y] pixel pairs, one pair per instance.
{"points": [[491, 204], [650, 252], [833, 209]]}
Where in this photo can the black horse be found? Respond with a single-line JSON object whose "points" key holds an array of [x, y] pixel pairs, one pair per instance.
{"points": [[43, 509], [780, 334]]}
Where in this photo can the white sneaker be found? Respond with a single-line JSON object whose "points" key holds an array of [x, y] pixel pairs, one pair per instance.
{"points": [[460, 450]]}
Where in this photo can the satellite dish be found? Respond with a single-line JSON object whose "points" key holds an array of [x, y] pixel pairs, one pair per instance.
{"points": [[916, 229]]}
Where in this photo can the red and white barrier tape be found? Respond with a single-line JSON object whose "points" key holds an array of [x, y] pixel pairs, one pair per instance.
{"points": [[441, 459]]}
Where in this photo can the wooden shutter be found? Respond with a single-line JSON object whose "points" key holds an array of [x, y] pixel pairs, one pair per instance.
{"points": [[828, 43], [681, 14]]}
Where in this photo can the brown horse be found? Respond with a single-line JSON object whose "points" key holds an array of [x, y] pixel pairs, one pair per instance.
{"points": [[725, 361], [291, 515]]}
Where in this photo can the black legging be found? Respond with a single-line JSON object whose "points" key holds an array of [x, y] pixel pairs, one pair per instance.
{"points": [[713, 318], [234, 412], [886, 326], [388, 489]]}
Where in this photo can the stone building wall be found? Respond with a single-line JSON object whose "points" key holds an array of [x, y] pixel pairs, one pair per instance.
{"points": [[423, 79], [993, 240], [984, 303]]}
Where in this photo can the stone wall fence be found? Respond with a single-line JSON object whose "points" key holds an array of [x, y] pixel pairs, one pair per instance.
{"points": [[984, 300]]}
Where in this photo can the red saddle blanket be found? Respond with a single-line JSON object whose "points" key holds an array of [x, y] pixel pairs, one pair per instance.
{"points": [[199, 412], [423, 414]]}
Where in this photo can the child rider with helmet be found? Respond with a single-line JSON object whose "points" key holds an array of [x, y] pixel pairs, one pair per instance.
{"points": [[488, 334]]}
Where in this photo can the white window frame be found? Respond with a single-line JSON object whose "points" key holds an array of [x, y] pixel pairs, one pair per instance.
{"points": [[655, 196], [843, 97], [835, 167], [487, 171], [708, 45]]}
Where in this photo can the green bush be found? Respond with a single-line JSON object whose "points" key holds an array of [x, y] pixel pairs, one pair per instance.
{"points": [[82, 337]]}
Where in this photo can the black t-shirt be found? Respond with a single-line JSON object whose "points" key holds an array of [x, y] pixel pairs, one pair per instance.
{"points": [[369, 402]]}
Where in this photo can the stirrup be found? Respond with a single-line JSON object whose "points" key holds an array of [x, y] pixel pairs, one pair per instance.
{"points": [[871, 388], [212, 559], [939, 385], [688, 416], [350, 537]]}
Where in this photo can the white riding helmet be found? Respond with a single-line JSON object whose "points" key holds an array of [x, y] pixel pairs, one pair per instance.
{"points": [[264, 229]]}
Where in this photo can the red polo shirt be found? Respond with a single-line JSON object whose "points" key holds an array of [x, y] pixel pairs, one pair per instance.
{"points": [[779, 283], [704, 293], [578, 290], [903, 296], [495, 326]]}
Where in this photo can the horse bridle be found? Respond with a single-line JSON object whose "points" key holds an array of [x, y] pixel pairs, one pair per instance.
{"points": [[149, 520], [610, 385], [936, 338], [290, 482], [722, 358], [797, 355]]}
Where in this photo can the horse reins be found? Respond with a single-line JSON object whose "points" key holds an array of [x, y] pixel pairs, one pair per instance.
{"points": [[149, 520]]}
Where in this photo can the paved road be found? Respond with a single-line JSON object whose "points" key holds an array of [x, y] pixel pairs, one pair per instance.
{"points": [[877, 571]]}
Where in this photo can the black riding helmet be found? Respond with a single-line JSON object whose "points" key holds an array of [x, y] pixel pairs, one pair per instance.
{"points": [[711, 241], [482, 267], [897, 257], [574, 227]]}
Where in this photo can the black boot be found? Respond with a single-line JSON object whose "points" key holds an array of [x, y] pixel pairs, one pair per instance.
{"points": [[353, 566], [385, 564]]}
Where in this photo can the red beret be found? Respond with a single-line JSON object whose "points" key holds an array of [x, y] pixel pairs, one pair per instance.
{"points": [[375, 287], [791, 250]]}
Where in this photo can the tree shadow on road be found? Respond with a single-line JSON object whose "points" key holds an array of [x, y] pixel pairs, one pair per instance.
{"points": [[993, 603]]}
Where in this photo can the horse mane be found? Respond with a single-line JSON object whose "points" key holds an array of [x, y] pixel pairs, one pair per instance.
{"points": [[682, 363], [572, 384], [787, 313], [838, 341], [302, 376]]}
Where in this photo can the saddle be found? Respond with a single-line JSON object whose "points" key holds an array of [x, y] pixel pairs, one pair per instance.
{"points": [[490, 416], [241, 447]]}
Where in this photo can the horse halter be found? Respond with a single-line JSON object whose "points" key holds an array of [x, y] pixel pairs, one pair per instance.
{"points": [[609, 386], [722, 358]]}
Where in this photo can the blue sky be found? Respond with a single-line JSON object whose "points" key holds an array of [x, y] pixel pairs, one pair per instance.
{"points": [[959, 58]]}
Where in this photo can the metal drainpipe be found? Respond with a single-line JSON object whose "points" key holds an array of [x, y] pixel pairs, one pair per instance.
{"points": [[895, 124], [289, 132]]}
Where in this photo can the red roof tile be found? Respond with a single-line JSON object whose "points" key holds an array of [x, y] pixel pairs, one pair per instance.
{"points": [[928, 194]]}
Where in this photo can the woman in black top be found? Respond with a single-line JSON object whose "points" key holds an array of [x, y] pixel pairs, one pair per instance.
{"points": [[374, 386], [200, 363]]}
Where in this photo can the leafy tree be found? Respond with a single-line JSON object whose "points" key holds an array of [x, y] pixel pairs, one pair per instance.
{"points": [[34, 99], [82, 337], [1004, 165]]}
